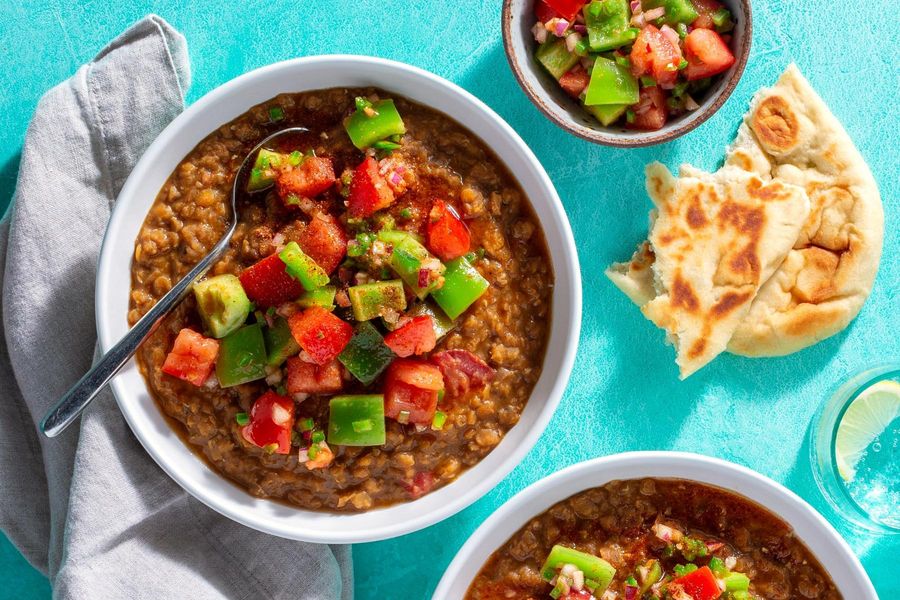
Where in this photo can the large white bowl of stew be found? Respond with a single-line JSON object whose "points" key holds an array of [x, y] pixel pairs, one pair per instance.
{"points": [[643, 525], [252, 444]]}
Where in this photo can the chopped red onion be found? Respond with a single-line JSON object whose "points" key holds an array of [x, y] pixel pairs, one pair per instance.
{"points": [[580, 28], [654, 13], [560, 27], [636, 7], [396, 179], [539, 32], [670, 34], [572, 39], [299, 396], [424, 276], [690, 103], [638, 20], [631, 592], [287, 309], [278, 242]]}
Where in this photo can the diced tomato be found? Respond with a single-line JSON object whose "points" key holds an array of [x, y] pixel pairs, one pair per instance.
{"points": [[705, 9], [268, 284], [575, 80], [412, 387], [650, 111], [416, 336], [307, 378], [321, 334], [655, 55], [271, 422], [577, 595], [324, 241], [543, 12], [567, 9], [420, 484], [192, 357], [448, 236], [707, 54], [462, 371], [699, 585], [369, 192], [308, 179], [324, 456]]}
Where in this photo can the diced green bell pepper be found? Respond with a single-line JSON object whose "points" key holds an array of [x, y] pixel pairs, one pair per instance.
{"points": [[370, 300], [607, 114], [463, 285], [677, 11], [323, 296], [222, 303], [650, 573], [717, 566], [593, 567], [442, 324], [723, 20], [356, 420], [242, 356], [280, 343], [302, 268], [736, 582], [407, 257], [262, 175], [608, 24], [383, 122], [611, 84], [366, 355], [555, 57]]}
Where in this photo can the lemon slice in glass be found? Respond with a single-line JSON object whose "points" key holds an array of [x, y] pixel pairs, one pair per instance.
{"points": [[867, 417]]}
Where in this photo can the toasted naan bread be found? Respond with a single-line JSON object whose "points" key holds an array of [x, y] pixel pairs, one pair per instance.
{"points": [[717, 237], [790, 134]]}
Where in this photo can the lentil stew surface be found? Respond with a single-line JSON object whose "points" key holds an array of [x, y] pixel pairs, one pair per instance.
{"points": [[615, 522], [508, 327]]}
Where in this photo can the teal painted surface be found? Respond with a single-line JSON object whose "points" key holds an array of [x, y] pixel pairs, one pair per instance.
{"points": [[625, 394]]}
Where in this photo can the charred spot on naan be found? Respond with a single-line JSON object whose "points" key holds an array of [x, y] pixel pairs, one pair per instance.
{"points": [[776, 125], [815, 281], [683, 295], [696, 216], [729, 302], [697, 348]]}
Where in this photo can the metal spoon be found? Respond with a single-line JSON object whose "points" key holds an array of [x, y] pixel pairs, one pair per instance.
{"points": [[80, 395]]}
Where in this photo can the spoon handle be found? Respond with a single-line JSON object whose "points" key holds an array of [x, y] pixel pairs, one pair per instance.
{"points": [[80, 395]]}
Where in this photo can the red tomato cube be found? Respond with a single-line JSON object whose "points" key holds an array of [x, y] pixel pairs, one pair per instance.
{"points": [[324, 240], [192, 358], [420, 484], [321, 334], [542, 11], [310, 178], [448, 236], [369, 191], [705, 9], [650, 111], [307, 378], [268, 284], [699, 585], [575, 80], [271, 422], [567, 9], [707, 54], [655, 55], [412, 387], [416, 336]]}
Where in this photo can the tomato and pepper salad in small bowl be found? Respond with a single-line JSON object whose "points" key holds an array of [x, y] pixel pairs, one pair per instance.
{"points": [[629, 65]]}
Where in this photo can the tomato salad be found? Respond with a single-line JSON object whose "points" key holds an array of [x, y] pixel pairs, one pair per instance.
{"points": [[634, 62], [353, 300]]}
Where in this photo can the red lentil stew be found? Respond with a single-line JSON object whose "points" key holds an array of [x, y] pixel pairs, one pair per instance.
{"points": [[665, 539], [380, 318]]}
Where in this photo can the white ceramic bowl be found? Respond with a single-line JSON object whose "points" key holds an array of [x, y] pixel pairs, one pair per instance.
{"points": [[224, 104], [820, 537]]}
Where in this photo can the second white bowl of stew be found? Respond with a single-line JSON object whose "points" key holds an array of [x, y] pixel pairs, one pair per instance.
{"points": [[392, 325], [655, 526]]}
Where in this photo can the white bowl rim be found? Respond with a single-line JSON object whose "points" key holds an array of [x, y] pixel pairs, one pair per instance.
{"points": [[819, 536], [384, 523]]}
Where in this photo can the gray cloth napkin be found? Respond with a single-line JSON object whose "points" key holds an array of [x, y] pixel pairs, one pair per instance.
{"points": [[90, 508]]}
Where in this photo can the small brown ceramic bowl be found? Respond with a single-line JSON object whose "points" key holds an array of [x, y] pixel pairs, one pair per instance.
{"points": [[566, 112]]}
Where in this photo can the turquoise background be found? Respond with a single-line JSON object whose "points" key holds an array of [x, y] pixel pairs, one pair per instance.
{"points": [[624, 394]]}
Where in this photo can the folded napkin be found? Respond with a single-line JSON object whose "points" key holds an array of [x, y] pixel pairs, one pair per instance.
{"points": [[90, 508]]}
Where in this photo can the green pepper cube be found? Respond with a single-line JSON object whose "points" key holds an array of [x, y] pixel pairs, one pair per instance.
{"points": [[736, 582], [371, 300], [677, 11], [370, 124], [242, 356], [280, 343], [366, 355], [303, 268], [356, 420], [593, 567], [408, 256], [442, 323], [323, 297], [222, 303], [607, 114], [611, 84], [463, 285], [608, 24], [555, 57], [262, 175]]}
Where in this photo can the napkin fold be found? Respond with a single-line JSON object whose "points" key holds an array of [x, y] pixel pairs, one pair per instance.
{"points": [[90, 508]]}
